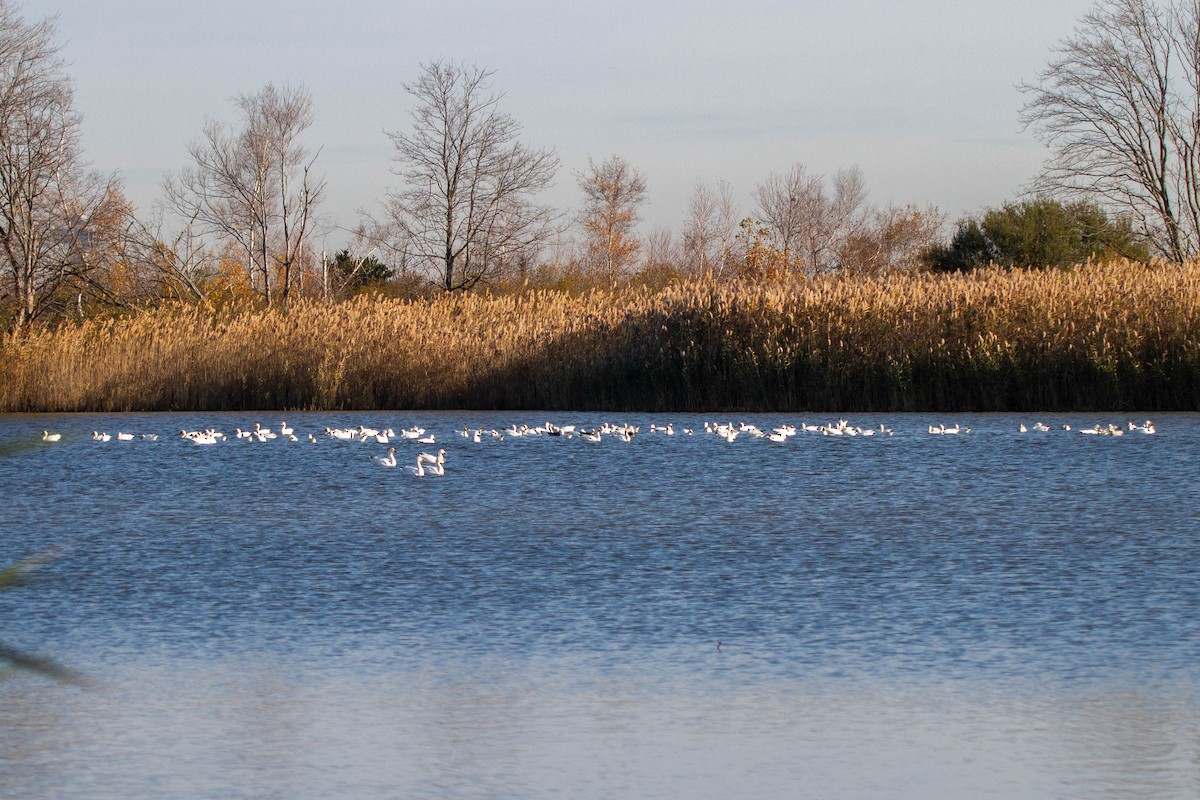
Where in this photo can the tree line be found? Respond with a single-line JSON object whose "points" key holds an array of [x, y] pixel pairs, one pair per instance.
{"points": [[1118, 107]]}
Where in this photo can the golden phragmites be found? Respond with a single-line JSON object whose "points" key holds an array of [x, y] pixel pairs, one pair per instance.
{"points": [[1109, 335]]}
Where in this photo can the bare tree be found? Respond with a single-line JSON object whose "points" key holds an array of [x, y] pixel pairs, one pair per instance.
{"points": [[49, 201], [662, 252], [1119, 107], [701, 231], [254, 186], [727, 228], [893, 239], [787, 205], [848, 211], [805, 223], [613, 192], [178, 264], [467, 210]]}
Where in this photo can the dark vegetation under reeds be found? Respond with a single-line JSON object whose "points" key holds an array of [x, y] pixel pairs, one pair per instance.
{"points": [[1113, 336]]}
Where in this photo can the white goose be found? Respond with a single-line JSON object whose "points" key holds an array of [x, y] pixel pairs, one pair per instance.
{"points": [[439, 459], [386, 461]]}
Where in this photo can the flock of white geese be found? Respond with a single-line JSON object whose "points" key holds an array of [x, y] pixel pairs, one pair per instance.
{"points": [[434, 464]]}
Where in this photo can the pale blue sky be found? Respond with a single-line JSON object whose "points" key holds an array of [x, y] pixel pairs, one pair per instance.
{"points": [[920, 95]]}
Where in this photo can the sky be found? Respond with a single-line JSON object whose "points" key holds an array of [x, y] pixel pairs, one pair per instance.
{"points": [[921, 96]]}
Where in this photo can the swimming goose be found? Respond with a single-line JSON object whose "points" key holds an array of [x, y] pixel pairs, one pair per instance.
{"points": [[420, 470], [386, 461], [439, 459]]}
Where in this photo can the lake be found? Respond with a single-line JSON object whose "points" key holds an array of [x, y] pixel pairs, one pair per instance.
{"points": [[992, 614]]}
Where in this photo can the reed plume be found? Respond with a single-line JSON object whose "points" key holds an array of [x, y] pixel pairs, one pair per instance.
{"points": [[1099, 336]]}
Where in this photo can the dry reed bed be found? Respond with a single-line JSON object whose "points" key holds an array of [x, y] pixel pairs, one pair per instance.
{"points": [[1115, 336]]}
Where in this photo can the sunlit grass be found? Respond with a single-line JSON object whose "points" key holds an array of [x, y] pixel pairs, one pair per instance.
{"points": [[1111, 336]]}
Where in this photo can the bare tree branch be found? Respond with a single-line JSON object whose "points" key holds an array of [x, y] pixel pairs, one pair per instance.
{"points": [[466, 210], [1119, 108], [254, 187]]}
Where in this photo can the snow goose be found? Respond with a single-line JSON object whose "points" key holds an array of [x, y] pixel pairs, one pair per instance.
{"points": [[439, 459], [386, 461]]}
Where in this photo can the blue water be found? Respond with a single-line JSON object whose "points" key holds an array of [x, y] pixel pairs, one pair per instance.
{"points": [[992, 614]]}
